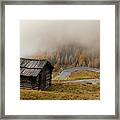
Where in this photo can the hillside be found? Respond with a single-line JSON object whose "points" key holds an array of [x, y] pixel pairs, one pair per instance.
{"points": [[72, 55], [64, 91]]}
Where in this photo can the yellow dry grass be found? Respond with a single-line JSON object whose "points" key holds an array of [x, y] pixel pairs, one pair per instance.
{"points": [[64, 91]]}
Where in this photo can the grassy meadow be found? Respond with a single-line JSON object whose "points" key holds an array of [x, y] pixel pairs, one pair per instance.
{"points": [[82, 74], [61, 90]]}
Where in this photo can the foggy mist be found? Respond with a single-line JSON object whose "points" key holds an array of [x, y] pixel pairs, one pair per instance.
{"points": [[39, 36]]}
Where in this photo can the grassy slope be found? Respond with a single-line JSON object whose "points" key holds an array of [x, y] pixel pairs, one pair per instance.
{"points": [[63, 91], [83, 74]]}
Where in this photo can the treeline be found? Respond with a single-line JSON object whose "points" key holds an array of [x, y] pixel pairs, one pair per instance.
{"points": [[73, 55]]}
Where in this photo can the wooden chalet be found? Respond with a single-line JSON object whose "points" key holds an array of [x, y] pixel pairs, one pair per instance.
{"points": [[35, 74]]}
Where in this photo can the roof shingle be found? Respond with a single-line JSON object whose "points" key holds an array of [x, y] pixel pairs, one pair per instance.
{"points": [[29, 72], [31, 63]]}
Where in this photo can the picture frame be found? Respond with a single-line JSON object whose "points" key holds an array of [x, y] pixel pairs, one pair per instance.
{"points": [[2, 95]]}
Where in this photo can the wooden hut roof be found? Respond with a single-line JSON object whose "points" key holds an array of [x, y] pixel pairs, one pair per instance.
{"points": [[32, 63], [29, 72], [32, 67]]}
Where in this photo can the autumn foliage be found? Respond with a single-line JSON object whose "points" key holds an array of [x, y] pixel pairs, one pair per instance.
{"points": [[72, 55]]}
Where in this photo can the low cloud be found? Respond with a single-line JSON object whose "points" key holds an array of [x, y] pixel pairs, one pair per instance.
{"points": [[38, 36]]}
